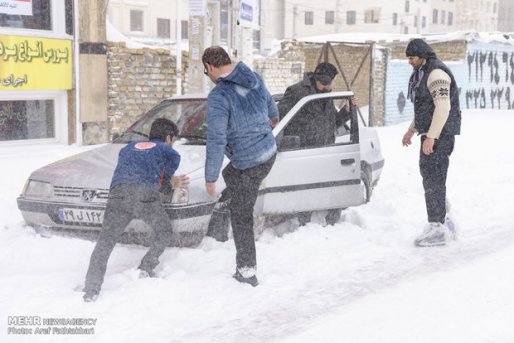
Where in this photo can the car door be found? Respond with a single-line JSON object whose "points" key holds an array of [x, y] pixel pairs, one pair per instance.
{"points": [[310, 178]]}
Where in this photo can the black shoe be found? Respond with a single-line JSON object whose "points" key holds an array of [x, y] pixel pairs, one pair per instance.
{"points": [[90, 296], [252, 280]]}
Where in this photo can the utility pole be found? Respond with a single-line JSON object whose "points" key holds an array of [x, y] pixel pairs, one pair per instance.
{"points": [[178, 45]]}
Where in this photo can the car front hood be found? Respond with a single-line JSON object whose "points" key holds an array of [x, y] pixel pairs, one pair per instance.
{"points": [[94, 168]]}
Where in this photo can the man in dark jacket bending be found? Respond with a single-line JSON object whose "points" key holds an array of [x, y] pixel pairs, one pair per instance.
{"points": [[142, 169]]}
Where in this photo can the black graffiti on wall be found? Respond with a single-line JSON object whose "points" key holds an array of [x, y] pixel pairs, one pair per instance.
{"points": [[490, 60], [479, 98], [490, 68]]}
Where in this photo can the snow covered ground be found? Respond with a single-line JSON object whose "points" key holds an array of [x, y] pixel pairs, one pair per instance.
{"points": [[361, 280]]}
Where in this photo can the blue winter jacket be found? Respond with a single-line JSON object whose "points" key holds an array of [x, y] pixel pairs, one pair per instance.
{"points": [[239, 110], [148, 163]]}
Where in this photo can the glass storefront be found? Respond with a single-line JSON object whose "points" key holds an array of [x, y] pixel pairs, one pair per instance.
{"points": [[40, 19], [30, 119], [35, 69]]}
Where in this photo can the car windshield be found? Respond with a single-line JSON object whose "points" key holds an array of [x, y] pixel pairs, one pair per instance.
{"points": [[190, 115]]}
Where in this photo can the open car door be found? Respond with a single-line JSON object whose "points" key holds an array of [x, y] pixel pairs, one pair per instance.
{"points": [[313, 177]]}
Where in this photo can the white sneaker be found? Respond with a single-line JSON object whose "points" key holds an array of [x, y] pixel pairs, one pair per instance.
{"points": [[450, 225], [435, 234]]}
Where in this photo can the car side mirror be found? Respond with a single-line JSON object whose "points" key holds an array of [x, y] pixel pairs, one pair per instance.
{"points": [[115, 136], [289, 143]]}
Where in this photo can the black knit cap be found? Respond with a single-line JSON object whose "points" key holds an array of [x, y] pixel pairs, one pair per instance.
{"points": [[418, 47], [325, 73]]}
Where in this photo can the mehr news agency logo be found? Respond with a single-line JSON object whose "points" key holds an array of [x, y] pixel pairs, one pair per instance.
{"points": [[36, 325]]}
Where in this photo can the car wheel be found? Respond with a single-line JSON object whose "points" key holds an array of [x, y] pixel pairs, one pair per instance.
{"points": [[366, 180], [333, 216]]}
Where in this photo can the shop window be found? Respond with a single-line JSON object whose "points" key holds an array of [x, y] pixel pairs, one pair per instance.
{"points": [[68, 7], [35, 17], [27, 119]]}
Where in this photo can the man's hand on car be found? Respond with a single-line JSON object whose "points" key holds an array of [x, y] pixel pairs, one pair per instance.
{"points": [[179, 181]]}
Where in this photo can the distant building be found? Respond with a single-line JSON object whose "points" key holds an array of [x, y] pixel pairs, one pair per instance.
{"points": [[506, 15]]}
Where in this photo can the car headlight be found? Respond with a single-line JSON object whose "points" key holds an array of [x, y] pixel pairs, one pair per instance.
{"points": [[38, 189], [180, 196]]}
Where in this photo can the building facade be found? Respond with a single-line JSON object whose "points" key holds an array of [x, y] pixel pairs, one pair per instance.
{"points": [[36, 70]]}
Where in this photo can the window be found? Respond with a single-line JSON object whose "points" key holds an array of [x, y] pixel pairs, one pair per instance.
{"points": [[443, 17], [372, 15], [68, 7], [27, 119], [423, 21], [350, 17], [407, 6], [309, 18], [136, 20], [256, 40], [395, 19], [40, 19], [163, 28], [434, 16], [416, 21], [450, 18], [184, 24], [329, 17]]}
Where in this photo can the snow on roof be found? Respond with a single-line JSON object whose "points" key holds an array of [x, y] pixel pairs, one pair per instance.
{"points": [[363, 37]]}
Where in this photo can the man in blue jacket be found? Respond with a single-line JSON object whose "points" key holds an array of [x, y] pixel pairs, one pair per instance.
{"points": [[142, 169], [240, 117]]}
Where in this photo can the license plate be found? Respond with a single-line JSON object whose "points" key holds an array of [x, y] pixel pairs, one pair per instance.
{"points": [[74, 215]]}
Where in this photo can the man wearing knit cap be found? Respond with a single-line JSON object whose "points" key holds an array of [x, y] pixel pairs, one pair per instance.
{"points": [[317, 122], [437, 119]]}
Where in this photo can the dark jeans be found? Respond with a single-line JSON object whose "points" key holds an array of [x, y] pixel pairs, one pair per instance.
{"points": [[242, 189], [127, 202], [434, 169]]}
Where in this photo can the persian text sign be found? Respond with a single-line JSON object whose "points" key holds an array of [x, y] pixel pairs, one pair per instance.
{"points": [[30, 63], [18, 7]]}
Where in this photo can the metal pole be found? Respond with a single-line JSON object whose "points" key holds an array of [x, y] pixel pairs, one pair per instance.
{"points": [[76, 64], [178, 47]]}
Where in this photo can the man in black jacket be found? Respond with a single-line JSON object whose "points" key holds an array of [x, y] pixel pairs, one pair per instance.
{"points": [[318, 121], [437, 119]]}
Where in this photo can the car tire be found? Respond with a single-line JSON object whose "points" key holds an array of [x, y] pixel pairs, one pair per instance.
{"points": [[366, 181], [333, 216]]}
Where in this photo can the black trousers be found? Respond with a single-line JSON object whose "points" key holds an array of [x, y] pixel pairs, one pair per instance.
{"points": [[127, 202], [434, 169], [242, 190]]}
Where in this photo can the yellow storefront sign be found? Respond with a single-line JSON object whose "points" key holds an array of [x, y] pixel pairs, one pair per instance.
{"points": [[31, 63]]}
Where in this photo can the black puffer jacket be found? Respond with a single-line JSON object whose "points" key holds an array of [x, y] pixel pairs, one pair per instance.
{"points": [[318, 121]]}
